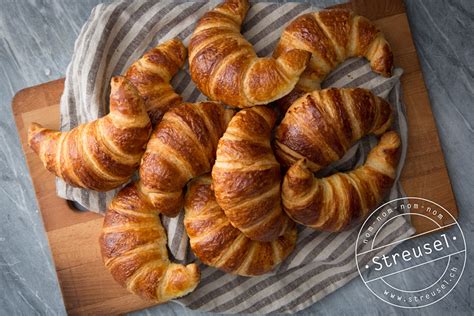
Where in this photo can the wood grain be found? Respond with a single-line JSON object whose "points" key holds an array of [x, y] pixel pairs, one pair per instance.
{"points": [[88, 288]]}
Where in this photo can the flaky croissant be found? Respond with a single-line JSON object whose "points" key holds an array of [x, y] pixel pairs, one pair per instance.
{"points": [[181, 147], [246, 176], [332, 36], [152, 73], [217, 243], [322, 125], [334, 202], [102, 154], [133, 246], [224, 66]]}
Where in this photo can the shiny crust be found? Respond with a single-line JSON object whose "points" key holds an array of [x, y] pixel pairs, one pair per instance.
{"points": [[332, 36], [133, 246], [152, 73], [322, 125], [224, 66], [133, 242], [102, 154], [181, 147], [335, 202], [246, 176], [218, 244]]}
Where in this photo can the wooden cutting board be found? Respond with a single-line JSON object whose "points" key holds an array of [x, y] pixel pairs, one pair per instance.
{"points": [[73, 236]]}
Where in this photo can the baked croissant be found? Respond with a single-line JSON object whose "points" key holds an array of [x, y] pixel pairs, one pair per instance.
{"points": [[332, 36], [322, 125], [334, 202], [217, 243], [133, 246], [225, 67], [181, 147], [246, 176], [152, 73], [102, 154]]}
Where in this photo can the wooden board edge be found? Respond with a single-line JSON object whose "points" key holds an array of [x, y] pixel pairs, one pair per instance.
{"points": [[454, 208], [23, 91], [20, 94]]}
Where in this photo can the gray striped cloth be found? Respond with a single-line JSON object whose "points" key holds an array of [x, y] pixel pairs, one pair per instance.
{"points": [[119, 33]]}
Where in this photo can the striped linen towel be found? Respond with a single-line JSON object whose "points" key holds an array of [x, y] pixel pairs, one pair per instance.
{"points": [[117, 34]]}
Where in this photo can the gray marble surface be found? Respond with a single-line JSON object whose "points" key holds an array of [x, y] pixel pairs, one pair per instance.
{"points": [[36, 42]]}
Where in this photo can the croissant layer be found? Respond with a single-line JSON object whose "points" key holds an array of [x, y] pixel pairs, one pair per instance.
{"points": [[334, 203], [322, 125]]}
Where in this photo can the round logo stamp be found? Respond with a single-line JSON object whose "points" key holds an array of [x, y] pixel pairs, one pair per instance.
{"points": [[405, 269]]}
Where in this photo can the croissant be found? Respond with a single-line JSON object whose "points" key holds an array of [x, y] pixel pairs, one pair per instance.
{"points": [[246, 176], [181, 147], [333, 36], [152, 73], [217, 243], [322, 125], [334, 202], [102, 154], [225, 67], [133, 246]]}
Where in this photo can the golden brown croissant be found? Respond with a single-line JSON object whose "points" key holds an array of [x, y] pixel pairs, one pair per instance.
{"points": [[152, 73], [133, 245], [181, 147], [224, 66], [217, 243], [246, 176], [334, 202], [133, 242], [333, 36], [102, 154], [322, 125]]}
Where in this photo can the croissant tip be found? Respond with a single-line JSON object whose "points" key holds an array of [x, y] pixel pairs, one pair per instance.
{"points": [[194, 271], [176, 48], [34, 138], [302, 162], [33, 130], [300, 170], [391, 137], [118, 80], [121, 83], [176, 41], [34, 127]]}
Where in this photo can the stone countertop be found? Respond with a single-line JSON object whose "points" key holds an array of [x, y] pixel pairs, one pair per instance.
{"points": [[36, 42]]}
